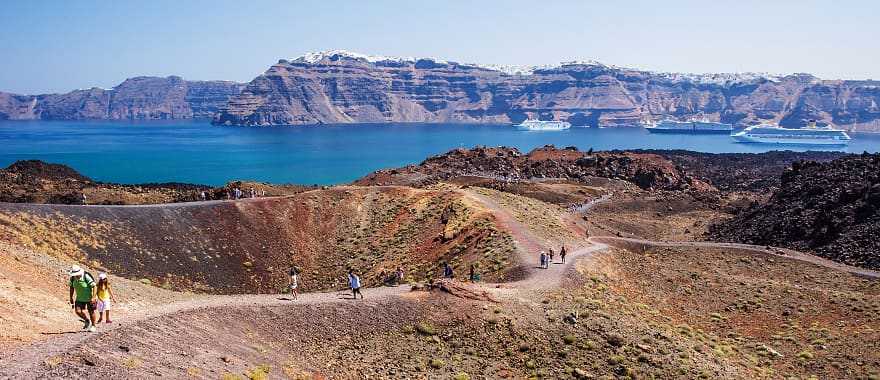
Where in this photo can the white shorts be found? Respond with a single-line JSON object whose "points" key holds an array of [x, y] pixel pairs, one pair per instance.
{"points": [[103, 305]]}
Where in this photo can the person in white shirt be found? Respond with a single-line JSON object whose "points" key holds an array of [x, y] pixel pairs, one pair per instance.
{"points": [[355, 283], [293, 282]]}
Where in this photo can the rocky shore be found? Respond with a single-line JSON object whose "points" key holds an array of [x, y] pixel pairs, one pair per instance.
{"points": [[35, 181], [672, 170]]}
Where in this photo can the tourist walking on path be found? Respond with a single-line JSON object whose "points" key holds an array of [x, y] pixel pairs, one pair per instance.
{"points": [[293, 282], [399, 275], [550, 257], [447, 270], [474, 275], [562, 254], [106, 299], [355, 283], [83, 286], [543, 260]]}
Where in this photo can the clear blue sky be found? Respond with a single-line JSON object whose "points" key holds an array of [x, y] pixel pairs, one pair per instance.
{"points": [[57, 46]]}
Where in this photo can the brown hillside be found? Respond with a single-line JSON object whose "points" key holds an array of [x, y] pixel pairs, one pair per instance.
{"points": [[248, 246]]}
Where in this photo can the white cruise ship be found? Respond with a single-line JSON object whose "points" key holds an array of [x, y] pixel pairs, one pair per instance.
{"points": [[539, 125], [692, 126], [774, 134]]}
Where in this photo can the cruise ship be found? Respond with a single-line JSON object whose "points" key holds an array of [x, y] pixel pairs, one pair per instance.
{"points": [[810, 135], [693, 126], [539, 125]]}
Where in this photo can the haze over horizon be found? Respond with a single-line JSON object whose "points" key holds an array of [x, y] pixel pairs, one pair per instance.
{"points": [[57, 46]]}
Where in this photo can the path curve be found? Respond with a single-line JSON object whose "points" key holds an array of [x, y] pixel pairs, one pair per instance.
{"points": [[622, 242]]}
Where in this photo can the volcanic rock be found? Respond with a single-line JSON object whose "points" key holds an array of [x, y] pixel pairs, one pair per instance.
{"points": [[831, 208]]}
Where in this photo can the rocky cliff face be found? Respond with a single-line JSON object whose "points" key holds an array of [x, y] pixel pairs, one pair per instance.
{"points": [[140, 98], [830, 208], [342, 87]]}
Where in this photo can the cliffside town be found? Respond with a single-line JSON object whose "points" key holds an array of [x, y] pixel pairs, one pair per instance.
{"points": [[344, 87]]}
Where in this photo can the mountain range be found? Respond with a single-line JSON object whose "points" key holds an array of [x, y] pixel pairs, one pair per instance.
{"points": [[344, 87]]}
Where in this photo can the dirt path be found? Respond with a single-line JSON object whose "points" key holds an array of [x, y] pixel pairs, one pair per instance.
{"points": [[530, 248], [622, 242], [23, 360]]}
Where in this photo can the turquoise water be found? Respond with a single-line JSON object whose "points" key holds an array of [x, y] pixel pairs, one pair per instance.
{"points": [[196, 152]]}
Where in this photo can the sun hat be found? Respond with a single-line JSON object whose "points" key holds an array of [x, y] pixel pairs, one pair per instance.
{"points": [[75, 270], [102, 276]]}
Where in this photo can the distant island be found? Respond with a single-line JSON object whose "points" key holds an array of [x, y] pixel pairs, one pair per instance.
{"points": [[344, 87]]}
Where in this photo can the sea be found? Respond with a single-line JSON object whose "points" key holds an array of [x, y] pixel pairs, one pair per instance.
{"points": [[194, 151]]}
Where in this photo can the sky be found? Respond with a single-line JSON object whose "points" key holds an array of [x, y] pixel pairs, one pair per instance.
{"points": [[57, 46]]}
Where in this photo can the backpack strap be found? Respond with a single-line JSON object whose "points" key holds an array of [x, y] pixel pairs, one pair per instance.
{"points": [[89, 278]]}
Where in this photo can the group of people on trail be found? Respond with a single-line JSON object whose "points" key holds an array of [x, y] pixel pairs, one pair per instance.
{"points": [[90, 300], [393, 279], [547, 258], [354, 283], [236, 193]]}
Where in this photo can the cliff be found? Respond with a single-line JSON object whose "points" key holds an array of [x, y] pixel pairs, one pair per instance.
{"points": [[140, 98], [344, 87]]}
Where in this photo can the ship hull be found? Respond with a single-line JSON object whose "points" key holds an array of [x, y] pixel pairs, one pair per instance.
{"points": [[690, 131], [784, 141]]}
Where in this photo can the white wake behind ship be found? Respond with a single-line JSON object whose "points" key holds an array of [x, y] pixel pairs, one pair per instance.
{"points": [[692, 126], [544, 125], [810, 135]]}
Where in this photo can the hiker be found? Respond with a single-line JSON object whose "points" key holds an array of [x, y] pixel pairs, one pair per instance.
{"points": [[550, 258], [84, 200], [355, 283], [399, 275], [543, 260], [82, 284], [203, 196], [474, 275], [447, 270], [562, 254], [253, 193], [106, 299], [293, 282]]}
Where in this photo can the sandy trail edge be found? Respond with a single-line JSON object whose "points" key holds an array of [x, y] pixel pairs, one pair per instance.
{"points": [[641, 244]]}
